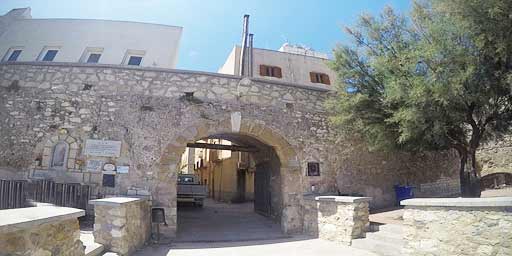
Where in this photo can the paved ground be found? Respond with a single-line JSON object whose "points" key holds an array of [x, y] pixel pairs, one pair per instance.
{"points": [[497, 192], [302, 246], [388, 216], [222, 222], [234, 229]]}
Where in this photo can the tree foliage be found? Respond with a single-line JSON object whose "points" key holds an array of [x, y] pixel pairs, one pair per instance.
{"points": [[440, 78]]}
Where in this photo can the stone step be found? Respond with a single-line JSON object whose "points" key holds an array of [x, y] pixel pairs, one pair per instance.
{"points": [[385, 236], [391, 228], [378, 247], [110, 254], [93, 249]]}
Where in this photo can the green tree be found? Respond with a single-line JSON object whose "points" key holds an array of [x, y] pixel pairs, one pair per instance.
{"points": [[438, 79]]}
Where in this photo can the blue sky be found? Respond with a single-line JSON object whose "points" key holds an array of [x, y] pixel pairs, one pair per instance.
{"points": [[212, 27]]}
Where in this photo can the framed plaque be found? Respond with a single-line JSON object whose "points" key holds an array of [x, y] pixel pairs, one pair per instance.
{"points": [[105, 148], [313, 169]]}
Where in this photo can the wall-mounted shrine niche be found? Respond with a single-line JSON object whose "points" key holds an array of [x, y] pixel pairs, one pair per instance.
{"points": [[60, 153]]}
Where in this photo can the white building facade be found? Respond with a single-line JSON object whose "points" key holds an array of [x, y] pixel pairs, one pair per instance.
{"points": [[87, 41], [292, 64]]}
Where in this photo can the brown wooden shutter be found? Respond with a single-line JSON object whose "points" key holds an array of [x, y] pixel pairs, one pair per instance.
{"points": [[263, 70], [277, 72], [312, 76], [325, 79]]}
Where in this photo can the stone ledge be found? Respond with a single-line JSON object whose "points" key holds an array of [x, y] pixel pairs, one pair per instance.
{"points": [[343, 199], [312, 87], [460, 202], [116, 201], [22, 218]]}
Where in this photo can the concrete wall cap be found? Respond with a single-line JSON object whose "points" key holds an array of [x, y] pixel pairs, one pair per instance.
{"points": [[116, 201], [460, 202], [343, 199], [23, 218]]}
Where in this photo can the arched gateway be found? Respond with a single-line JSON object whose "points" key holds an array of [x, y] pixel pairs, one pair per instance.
{"points": [[257, 134]]}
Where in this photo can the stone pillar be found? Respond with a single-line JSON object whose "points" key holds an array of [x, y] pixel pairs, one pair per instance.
{"points": [[122, 224], [458, 226], [45, 230], [336, 218]]}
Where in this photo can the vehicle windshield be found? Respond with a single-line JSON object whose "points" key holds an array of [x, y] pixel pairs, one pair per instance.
{"points": [[186, 179]]}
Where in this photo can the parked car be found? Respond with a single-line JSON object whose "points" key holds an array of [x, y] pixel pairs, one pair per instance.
{"points": [[191, 190]]}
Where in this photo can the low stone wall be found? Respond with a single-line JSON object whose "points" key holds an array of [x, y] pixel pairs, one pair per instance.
{"points": [[46, 230], [458, 226], [336, 218], [122, 224]]}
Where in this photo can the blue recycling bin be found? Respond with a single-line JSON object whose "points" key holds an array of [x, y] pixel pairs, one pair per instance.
{"points": [[403, 192]]}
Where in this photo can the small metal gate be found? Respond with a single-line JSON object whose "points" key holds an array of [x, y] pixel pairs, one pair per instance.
{"points": [[16, 193], [73, 195], [12, 194], [262, 195]]}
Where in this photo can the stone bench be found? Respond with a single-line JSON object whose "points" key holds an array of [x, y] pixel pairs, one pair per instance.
{"points": [[122, 224], [45, 230], [458, 226], [336, 218]]}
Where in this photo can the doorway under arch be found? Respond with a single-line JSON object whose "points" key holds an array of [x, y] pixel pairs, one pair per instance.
{"points": [[243, 179], [273, 152]]}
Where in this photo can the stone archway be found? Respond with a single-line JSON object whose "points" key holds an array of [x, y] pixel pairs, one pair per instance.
{"points": [[164, 190]]}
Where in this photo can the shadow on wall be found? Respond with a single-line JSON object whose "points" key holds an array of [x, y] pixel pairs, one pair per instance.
{"points": [[495, 180]]}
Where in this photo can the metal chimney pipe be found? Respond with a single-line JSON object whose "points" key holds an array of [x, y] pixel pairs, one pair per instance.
{"points": [[243, 51], [250, 55]]}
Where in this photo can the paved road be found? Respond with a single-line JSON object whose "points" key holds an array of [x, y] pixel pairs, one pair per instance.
{"points": [[234, 229], [222, 222], [497, 192], [301, 246]]}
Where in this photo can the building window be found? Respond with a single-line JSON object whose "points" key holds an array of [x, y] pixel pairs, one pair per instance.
{"points": [[12, 54], [59, 156], [313, 169], [271, 71], [133, 57], [50, 55], [94, 58], [91, 55], [134, 60], [319, 78]]}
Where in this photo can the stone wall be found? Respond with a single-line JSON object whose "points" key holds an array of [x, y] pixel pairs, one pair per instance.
{"points": [[122, 225], [336, 218], [494, 156], [45, 230], [458, 226], [148, 111], [373, 174]]}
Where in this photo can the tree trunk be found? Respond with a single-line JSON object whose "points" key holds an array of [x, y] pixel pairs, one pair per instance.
{"points": [[464, 186], [469, 178], [474, 180]]}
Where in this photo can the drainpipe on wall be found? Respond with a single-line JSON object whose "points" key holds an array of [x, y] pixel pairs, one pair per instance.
{"points": [[243, 51], [251, 69]]}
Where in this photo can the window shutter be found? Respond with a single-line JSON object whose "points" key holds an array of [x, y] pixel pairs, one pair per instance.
{"points": [[277, 72], [325, 79], [312, 77], [263, 70]]}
